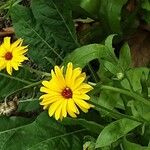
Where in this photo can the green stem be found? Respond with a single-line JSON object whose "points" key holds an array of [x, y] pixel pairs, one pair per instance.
{"points": [[93, 73], [128, 93], [15, 78], [38, 72], [25, 87], [114, 113], [129, 82]]}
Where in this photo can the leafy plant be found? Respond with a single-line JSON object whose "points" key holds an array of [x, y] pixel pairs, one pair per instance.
{"points": [[120, 99]]}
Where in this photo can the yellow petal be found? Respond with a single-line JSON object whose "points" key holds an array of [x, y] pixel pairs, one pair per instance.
{"points": [[9, 68], [16, 43], [76, 73], [6, 43], [48, 101], [14, 65], [53, 107], [82, 96], [82, 103], [83, 109], [52, 85], [79, 81], [2, 51], [68, 75], [58, 112], [83, 88], [45, 107], [49, 91], [59, 75], [58, 79], [70, 112], [64, 108], [72, 106], [2, 64]]}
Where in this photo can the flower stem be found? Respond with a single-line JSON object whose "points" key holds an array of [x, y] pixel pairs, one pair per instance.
{"points": [[38, 72], [114, 113], [25, 87], [128, 93], [15, 78]]}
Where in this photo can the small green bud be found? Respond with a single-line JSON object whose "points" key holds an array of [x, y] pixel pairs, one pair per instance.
{"points": [[120, 75]]}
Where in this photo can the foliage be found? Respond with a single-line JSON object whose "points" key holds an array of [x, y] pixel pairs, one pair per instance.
{"points": [[121, 94]]}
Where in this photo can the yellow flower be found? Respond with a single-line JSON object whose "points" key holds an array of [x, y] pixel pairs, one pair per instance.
{"points": [[65, 92], [12, 55]]}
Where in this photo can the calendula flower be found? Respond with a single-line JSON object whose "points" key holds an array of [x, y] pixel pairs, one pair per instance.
{"points": [[12, 55], [65, 93]]}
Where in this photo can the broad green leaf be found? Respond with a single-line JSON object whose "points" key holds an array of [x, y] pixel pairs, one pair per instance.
{"points": [[134, 76], [47, 28], [146, 4], [127, 145], [91, 6], [109, 42], [110, 13], [56, 15], [142, 110], [33, 33], [114, 69], [8, 125], [18, 80], [89, 125], [109, 45], [44, 132], [115, 131], [125, 57], [109, 100], [28, 105], [83, 55]]}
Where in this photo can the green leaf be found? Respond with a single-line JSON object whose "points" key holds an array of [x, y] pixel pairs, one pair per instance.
{"points": [[146, 5], [89, 125], [33, 33], [146, 10], [125, 57], [44, 132], [57, 15], [115, 131], [109, 45], [110, 13], [28, 105], [109, 100], [12, 83], [47, 28], [111, 67], [127, 145], [144, 85], [81, 56], [134, 76], [142, 110], [109, 42], [91, 6], [8, 125]]}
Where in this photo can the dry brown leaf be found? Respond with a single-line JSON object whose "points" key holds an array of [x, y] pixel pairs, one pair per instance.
{"points": [[140, 48]]}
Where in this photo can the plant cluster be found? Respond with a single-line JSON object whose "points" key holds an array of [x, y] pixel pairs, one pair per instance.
{"points": [[92, 96]]}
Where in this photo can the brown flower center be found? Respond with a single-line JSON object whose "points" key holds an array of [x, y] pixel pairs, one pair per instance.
{"points": [[67, 93], [8, 56]]}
